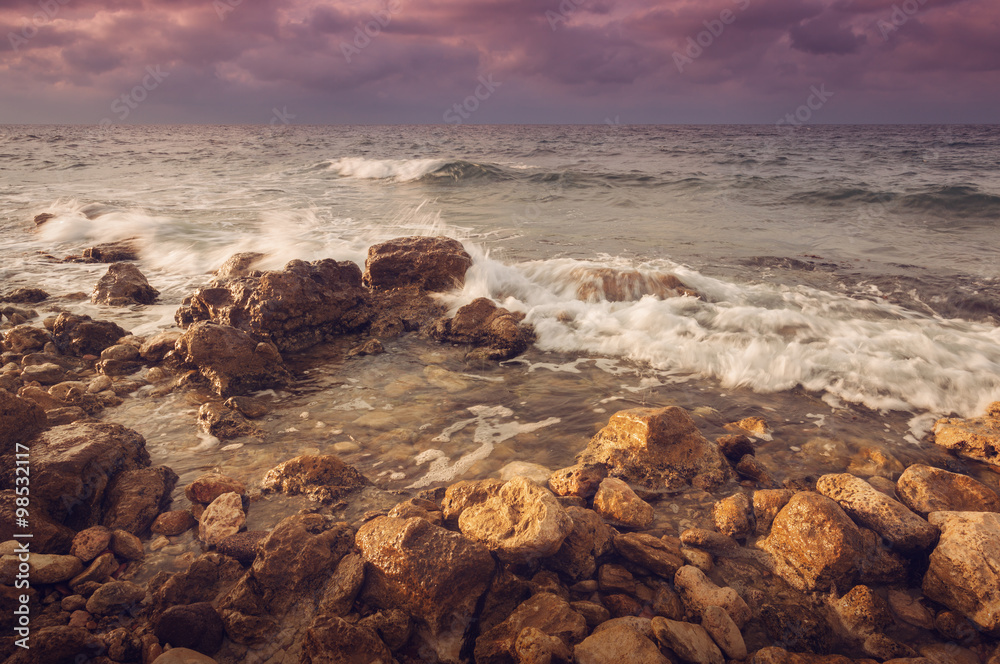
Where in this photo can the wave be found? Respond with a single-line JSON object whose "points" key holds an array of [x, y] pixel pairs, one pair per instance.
{"points": [[954, 200], [414, 170]]}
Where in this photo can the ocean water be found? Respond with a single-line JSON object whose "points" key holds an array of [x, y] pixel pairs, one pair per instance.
{"points": [[848, 277]]}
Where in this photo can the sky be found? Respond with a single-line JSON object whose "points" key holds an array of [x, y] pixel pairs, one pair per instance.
{"points": [[499, 61]]}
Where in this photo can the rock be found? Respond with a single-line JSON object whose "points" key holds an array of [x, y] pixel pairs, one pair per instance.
{"points": [[248, 406], [617, 644], [659, 449], [344, 586], [223, 423], [242, 546], [863, 612], [20, 419], [589, 539], [545, 612], [796, 625], [885, 648], [724, 632], [90, 542], [222, 518], [735, 446], [883, 484], [660, 556], [465, 493], [910, 610], [81, 335], [947, 653], [954, 627], [522, 522], [45, 568], [61, 416], [773, 655], [698, 593], [127, 546], [231, 360], [750, 467], [494, 331], [963, 573], [875, 461], [925, 489], [535, 472], [734, 516], [612, 579], [580, 480], [239, 265], [173, 523], [419, 507], [873, 509], [120, 360], [195, 626], [123, 285], [615, 285], [432, 263], [976, 438], [154, 349], [97, 572], [25, 339], [135, 498], [333, 640], [766, 505], [454, 572], [322, 478], [697, 558], [113, 252], [183, 656], [115, 597], [691, 642], [616, 502], [370, 347], [46, 374], [295, 308], [63, 645], [533, 646], [25, 296], [208, 487], [393, 626], [708, 539]]}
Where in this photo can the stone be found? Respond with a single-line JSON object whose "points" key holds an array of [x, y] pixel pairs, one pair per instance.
{"points": [[123, 285], [925, 489], [99, 571], [195, 626], [154, 349], [344, 586], [81, 335], [431, 263], [135, 498], [863, 612], [113, 252], [617, 644], [596, 284], [885, 648], [755, 426], [90, 542], [667, 603], [883, 484], [46, 374], [222, 518], [123, 646], [127, 546], [691, 642], [45, 568], [796, 625], [465, 493], [751, 468], [613, 579], [773, 655], [232, 361], [589, 539], [545, 612], [871, 460], [708, 539], [116, 597], [183, 656], [697, 558], [249, 407], [873, 509], [61, 416], [217, 420], [370, 347], [393, 626], [522, 522], [618, 503], [975, 438], [64, 644], [20, 419], [238, 265], [963, 573], [593, 613], [419, 507], [909, 609], [495, 332], [242, 546], [766, 505], [735, 446], [699, 592], [173, 523], [724, 632], [954, 627], [208, 487], [661, 556], [660, 449], [533, 646], [734, 516], [294, 309], [321, 478], [453, 572], [333, 640], [535, 472], [580, 480], [25, 296], [25, 339]]}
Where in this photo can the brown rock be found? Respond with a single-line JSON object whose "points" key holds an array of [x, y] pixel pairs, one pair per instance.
{"points": [[195, 626], [545, 612], [691, 642], [46, 374], [242, 546], [333, 640], [64, 644], [755, 426], [344, 586], [772, 655], [45, 568], [154, 349], [116, 597], [698, 593], [580, 480], [976, 438], [98, 572], [231, 360], [25, 339], [135, 498], [616, 502], [734, 516], [617, 644], [322, 478], [465, 493], [113, 252], [81, 335], [25, 295], [495, 331], [533, 646], [766, 505], [239, 265], [173, 523], [223, 423], [871, 460], [863, 612], [708, 539], [90, 542], [393, 626], [925, 489], [419, 507], [248, 406], [724, 632], [127, 546], [370, 347], [910, 610], [208, 487], [750, 467], [658, 449], [614, 285], [432, 263], [661, 556], [222, 518], [20, 419], [123, 285], [735, 446]]}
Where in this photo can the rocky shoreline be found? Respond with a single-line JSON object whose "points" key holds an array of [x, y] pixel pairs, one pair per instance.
{"points": [[875, 562]]}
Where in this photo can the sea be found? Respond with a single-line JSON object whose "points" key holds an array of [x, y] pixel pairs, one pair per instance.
{"points": [[847, 279]]}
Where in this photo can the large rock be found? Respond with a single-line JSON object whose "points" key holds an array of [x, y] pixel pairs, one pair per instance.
{"points": [[976, 438], [20, 419], [25, 339], [123, 285], [616, 644], [602, 283], [113, 252], [223, 518], [82, 335], [432, 263], [699, 593], [964, 572], [618, 503], [48, 536], [322, 478], [925, 489], [662, 556], [657, 448], [295, 308], [873, 509], [25, 296], [590, 539], [210, 486], [136, 497], [231, 360], [333, 640], [116, 597], [494, 331], [45, 568], [195, 626], [435, 575], [521, 523], [548, 613], [691, 642]]}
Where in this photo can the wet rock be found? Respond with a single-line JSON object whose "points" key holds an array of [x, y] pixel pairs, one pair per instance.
{"points": [[954, 627], [120, 360], [616, 502], [735, 446], [25, 339], [135, 498], [595, 614], [173, 523], [393, 626], [875, 461], [20, 419], [195, 626], [976, 438], [734, 516], [208, 487], [46, 374], [432, 263], [295, 308], [231, 360], [250, 407], [580, 480], [223, 423], [612, 579], [613, 285], [81, 335], [123, 285], [708, 539], [344, 586], [766, 505], [454, 571], [589, 539], [222, 518], [755, 426], [63, 644], [883, 484], [661, 556], [242, 546], [113, 252], [494, 331], [115, 597], [322, 478], [925, 489], [126, 546], [45, 568], [239, 265], [617, 644], [370, 347], [97, 572], [885, 648], [909, 609], [863, 612], [658, 449], [535, 472], [545, 612], [963, 573], [773, 655], [67, 415], [533, 646], [154, 349], [750, 467], [698, 558], [698, 593], [333, 640], [724, 632], [465, 493], [797, 625], [522, 522], [418, 507], [25, 296], [691, 642], [183, 656], [123, 646], [90, 542]]}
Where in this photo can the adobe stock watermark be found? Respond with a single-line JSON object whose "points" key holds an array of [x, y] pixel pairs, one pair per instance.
{"points": [[803, 114], [901, 14], [47, 10], [280, 119], [224, 7], [713, 30], [457, 113], [566, 9], [130, 100], [366, 31]]}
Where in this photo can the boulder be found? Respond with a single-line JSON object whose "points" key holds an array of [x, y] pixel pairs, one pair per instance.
{"points": [[873, 509], [691, 642], [909, 609], [699, 593], [217, 420], [126, 546], [435, 575], [113, 252], [239, 265], [548, 613], [766, 505], [295, 308], [20, 419], [619, 504], [522, 522], [863, 612], [45, 568], [581, 480], [46, 374], [734, 516], [25, 339], [90, 542], [495, 332], [155, 348], [123, 285], [431, 263], [925, 489], [660, 449], [590, 539], [322, 478], [616, 644], [724, 632], [735, 446], [82, 335], [173, 523], [195, 626], [136, 497], [598, 284], [231, 360], [333, 640], [242, 546], [964, 572], [465, 493], [208, 487], [116, 597], [25, 296], [222, 518], [661, 556], [976, 438]]}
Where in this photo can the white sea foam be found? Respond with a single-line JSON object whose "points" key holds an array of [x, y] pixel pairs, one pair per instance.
{"points": [[401, 170]]}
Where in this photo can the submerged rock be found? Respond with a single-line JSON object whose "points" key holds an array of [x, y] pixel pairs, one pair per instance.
{"points": [[224, 423], [231, 360], [495, 332], [123, 285], [113, 252], [601, 283], [333, 640], [925, 489], [323, 478], [208, 487], [976, 438], [431, 263]]}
